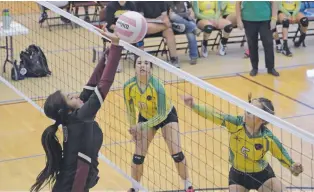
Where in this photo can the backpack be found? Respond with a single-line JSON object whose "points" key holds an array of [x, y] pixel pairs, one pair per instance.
{"points": [[34, 61]]}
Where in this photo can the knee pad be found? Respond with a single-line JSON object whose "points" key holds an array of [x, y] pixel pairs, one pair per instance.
{"points": [[304, 22], [228, 28], [138, 159], [140, 43], [179, 157], [285, 23], [208, 29]]}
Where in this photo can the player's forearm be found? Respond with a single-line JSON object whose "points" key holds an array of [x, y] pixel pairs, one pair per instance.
{"points": [[238, 10], [108, 74], [274, 9]]}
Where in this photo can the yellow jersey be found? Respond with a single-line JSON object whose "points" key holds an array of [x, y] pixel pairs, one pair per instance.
{"points": [[206, 9], [152, 103], [228, 7], [246, 152], [288, 7]]}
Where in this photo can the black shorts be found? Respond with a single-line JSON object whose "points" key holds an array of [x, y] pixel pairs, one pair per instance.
{"points": [[172, 117], [250, 180], [281, 12]]}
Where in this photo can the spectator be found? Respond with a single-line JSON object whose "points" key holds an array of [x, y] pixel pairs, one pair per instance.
{"points": [[158, 21], [181, 12], [258, 17], [208, 18], [228, 9], [114, 9], [289, 13]]}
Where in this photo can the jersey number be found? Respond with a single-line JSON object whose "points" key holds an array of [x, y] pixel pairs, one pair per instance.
{"points": [[244, 151]]}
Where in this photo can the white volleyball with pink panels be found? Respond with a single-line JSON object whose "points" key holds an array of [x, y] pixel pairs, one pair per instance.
{"points": [[131, 27]]}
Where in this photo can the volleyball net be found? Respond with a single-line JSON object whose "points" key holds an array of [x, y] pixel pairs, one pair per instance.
{"points": [[72, 51]]}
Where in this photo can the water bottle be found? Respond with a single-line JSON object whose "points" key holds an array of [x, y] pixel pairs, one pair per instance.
{"points": [[6, 19]]}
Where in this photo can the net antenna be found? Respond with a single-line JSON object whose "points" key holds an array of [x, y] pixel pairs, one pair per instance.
{"points": [[307, 136]]}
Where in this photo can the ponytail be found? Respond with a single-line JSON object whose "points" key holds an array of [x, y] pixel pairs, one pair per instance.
{"points": [[53, 152]]}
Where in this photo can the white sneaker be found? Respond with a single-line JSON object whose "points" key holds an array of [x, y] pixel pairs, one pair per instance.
{"points": [[278, 48], [204, 51], [222, 49]]}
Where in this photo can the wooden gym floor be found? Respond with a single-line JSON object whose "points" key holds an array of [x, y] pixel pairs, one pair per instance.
{"points": [[205, 145]]}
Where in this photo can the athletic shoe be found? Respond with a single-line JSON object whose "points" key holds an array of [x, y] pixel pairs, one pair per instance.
{"points": [[222, 49], [190, 189], [247, 53], [273, 72], [193, 61], [278, 48], [204, 51], [253, 72], [175, 62], [286, 51]]}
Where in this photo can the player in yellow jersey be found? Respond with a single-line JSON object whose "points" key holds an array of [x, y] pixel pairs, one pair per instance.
{"points": [[249, 141], [147, 94], [289, 13], [207, 14], [228, 11]]}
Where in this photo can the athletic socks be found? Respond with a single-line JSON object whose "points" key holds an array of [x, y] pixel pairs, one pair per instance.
{"points": [[278, 42], [187, 184]]}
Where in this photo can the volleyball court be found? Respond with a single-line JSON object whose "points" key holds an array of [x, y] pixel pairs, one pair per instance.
{"points": [[205, 145]]}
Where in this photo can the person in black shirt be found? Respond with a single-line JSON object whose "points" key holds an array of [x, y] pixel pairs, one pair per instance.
{"points": [[114, 9], [158, 21], [74, 169]]}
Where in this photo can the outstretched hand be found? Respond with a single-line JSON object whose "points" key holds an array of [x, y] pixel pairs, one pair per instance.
{"points": [[296, 169], [112, 36]]}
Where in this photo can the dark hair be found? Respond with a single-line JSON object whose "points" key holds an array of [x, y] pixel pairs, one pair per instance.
{"points": [[57, 109], [135, 60], [267, 105]]}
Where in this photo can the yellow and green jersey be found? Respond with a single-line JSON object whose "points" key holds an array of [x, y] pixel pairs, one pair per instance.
{"points": [[247, 153], [206, 9], [228, 7], [288, 7], [152, 103]]}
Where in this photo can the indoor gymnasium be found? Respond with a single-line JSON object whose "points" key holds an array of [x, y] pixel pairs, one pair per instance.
{"points": [[156, 96]]}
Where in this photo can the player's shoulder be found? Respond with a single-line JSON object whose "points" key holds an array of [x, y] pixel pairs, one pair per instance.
{"points": [[156, 83], [129, 82], [267, 133]]}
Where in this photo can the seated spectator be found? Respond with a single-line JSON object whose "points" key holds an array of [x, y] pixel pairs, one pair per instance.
{"points": [[289, 13], [158, 21], [208, 19], [180, 12], [61, 4], [114, 9], [228, 10]]}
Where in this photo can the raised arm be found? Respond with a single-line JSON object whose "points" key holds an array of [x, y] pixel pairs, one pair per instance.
{"points": [[94, 102]]}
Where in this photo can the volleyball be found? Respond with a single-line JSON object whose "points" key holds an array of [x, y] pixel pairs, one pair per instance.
{"points": [[131, 27]]}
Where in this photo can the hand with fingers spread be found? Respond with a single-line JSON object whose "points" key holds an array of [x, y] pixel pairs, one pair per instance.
{"points": [[136, 132]]}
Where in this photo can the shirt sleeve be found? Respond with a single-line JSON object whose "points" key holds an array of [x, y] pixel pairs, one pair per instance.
{"points": [[130, 106], [232, 123], [93, 104], [278, 151], [218, 9], [162, 112]]}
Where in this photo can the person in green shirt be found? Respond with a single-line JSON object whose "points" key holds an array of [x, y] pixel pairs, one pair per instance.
{"points": [[258, 18], [289, 13]]}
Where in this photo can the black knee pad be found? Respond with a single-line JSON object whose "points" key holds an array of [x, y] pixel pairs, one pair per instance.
{"points": [[285, 23], [179, 157], [228, 28], [208, 29], [304, 21], [138, 159]]}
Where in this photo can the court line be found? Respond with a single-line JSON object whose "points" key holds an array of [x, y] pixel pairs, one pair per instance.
{"points": [[130, 141], [278, 92]]}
